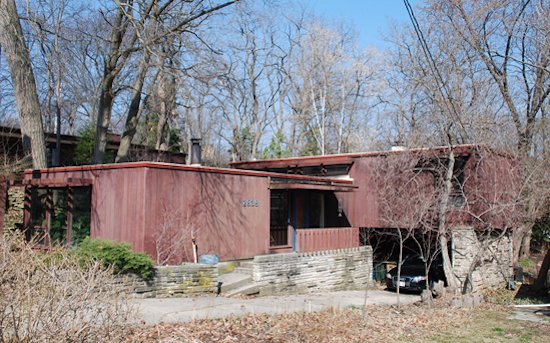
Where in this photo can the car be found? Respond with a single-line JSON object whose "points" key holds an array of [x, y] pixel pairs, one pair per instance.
{"points": [[413, 274]]}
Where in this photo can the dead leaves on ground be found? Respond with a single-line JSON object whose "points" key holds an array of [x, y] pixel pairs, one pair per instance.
{"points": [[382, 323]]}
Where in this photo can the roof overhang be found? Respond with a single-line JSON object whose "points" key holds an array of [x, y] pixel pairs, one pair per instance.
{"points": [[327, 185], [44, 174], [348, 158], [59, 182]]}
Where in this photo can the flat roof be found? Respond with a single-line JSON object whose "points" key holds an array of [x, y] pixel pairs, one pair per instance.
{"points": [[50, 137], [36, 174], [348, 158]]}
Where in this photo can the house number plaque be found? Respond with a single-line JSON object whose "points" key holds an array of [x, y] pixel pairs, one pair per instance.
{"points": [[251, 203]]}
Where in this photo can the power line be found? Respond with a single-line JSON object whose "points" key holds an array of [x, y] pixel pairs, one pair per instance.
{"points": [[445, 93]]}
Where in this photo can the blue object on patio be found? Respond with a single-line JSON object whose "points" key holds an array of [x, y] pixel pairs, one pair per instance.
{"points": [[209, 259]]}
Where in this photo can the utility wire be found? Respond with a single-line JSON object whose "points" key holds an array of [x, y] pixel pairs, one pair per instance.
{"points": [[445, 93]]}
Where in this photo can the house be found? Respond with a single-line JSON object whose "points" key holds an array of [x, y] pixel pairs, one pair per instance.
{"points": [[235, 214], [484, 182], [11, 190], [11, 145], [174, 212], [402, 189]]}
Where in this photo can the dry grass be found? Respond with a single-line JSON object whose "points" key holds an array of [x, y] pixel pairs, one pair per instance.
{"points": [[414, 323], [492, 324]]}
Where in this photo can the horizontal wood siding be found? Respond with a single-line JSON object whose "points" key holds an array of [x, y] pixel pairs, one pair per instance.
{"points": [[308, 240]]}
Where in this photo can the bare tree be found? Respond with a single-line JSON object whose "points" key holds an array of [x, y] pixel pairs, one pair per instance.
{"points": [[128, 37], [49, 26], [486, 83], [24, 84], [406, 199], [174, 238], [247, 94], [330, 86], [510, 39]]}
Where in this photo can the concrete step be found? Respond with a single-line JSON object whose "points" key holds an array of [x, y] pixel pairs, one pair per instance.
{"points": [[234, 280], [243, 270], [249, 289], [249, 264]]}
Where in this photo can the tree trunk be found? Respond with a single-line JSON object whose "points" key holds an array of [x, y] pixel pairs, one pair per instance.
{"points": [[399, 263], [525, 251], [519, 240], [161, 128], [540, 282], [57, 153], [103, 119], [24, 84], [452, 281], [133, 112], [106, 97], [165, 95]]}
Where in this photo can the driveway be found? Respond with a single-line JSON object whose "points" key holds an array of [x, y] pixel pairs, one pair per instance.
{"points": [[533, 313], [172, 310]]}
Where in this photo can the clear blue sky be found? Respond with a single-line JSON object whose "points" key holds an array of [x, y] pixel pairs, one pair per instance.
{"points": [[369, 17]]}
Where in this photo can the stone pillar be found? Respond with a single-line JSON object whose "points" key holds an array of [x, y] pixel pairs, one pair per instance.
{"points": [[465, 247], [491, 253]]}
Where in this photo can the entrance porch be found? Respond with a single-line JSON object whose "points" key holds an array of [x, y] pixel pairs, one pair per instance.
{"points": [[308, 217]]}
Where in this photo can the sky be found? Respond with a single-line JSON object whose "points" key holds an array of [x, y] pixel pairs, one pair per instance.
{"points": [[371, 18]]}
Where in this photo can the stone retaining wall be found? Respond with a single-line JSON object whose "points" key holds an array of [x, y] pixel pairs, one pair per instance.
{"points": [[174, 281], [14, 211], [492, 256], [292, 273]]}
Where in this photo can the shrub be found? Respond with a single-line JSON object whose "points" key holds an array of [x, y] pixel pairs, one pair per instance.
{"points": [[118, 256], [527, 264], [50, 297], [84, 148]]}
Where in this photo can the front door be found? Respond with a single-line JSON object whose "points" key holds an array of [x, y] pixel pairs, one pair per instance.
{"points": [[279, 218]]}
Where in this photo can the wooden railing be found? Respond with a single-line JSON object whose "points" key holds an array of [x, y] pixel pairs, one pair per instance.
{"points": [[308, 240]]}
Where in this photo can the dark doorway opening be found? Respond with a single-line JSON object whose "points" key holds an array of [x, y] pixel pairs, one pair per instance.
{"points": [[279, 218], [302, 209], [58, 216]]}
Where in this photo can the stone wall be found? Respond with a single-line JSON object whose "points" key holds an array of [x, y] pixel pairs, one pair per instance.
{"points": [[174, 281], [293, 273], [14, 211], [492, 255]]}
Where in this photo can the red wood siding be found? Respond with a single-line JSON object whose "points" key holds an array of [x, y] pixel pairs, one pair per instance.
{"points": [[309, 240], [118, 206], [211, 205], [131, 204], [118, 203], [493, 189], [490, 187], [361, 206]]}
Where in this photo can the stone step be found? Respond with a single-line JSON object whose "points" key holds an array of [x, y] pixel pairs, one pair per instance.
{"points": [[248, 289], [234, 280]]}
